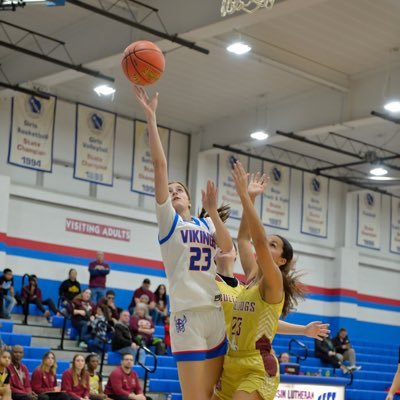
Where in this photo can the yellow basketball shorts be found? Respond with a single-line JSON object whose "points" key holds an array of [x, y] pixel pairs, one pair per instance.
{"points": [[246, 373]]}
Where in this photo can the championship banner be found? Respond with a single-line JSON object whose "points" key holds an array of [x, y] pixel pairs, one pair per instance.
{"points": [[395, 226], [368, 220], [94, 145], [32, 131], [142, 180], [276, 198], [314, 216], [226, 186]]}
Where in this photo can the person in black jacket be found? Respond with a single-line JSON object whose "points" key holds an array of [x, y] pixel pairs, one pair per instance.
{"points": [[122, 341], [343, 346], [325, 350], [69, 289]]}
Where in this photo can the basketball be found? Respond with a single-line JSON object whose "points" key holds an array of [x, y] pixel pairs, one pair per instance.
{"points": [[143, 63]]}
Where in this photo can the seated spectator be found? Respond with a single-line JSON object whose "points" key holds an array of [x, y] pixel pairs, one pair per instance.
{"points": [[325, 350], [146, 296], [161, 302], [75, 380], [99, 330], [344, 348], [95, 379], [69, 289], [5, 361], [109, 301], [7, 296], [123, 383], [284, 358], [44, 379], [19, 376], [121, 340], [142, 329], [31, 293], [83, 312]]}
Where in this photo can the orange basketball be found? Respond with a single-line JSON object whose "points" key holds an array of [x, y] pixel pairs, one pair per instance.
{"points": [[143, 63]]}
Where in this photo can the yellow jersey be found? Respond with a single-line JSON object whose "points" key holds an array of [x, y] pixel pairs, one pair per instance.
{"points": [[229, 295]]}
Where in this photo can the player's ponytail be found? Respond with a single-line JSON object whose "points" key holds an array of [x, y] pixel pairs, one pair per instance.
{"points": [[223, 211]]}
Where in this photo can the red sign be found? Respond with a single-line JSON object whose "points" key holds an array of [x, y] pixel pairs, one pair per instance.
{"points": [[90, 228]]}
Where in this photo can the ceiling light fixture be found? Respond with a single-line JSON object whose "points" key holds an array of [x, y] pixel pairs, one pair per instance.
{"points": [[239, 48], [392, 106], [378, 171], [104, 90], [383, 178], [259, 135]]}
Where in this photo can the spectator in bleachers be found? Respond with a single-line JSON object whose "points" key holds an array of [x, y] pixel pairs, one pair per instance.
{"points": [[5, 389], [75, 380], [123, 383], [31, 293], [7, 299], [142, 329], [83, 311], [161, 303], [343, 347], [98, 271], [19, 376], [122, 341], [44, 379], [325, 350], [69, 289], [284, 358], [144, 295], [95, 379], [109, 301], [99, 330]]}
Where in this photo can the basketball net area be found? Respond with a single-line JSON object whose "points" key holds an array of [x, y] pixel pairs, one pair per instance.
{"points": [[231, 6]]}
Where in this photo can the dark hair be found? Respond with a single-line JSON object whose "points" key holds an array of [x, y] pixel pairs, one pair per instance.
{"points": [[159, 296], [6, 270], [342, 330], [223, 211], [146, 280], [293, 288], [110, 292], [89, 357], [72, 269], [126, 354]]}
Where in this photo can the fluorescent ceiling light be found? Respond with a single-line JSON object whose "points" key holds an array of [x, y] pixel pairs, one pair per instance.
{"points": [[378, 171], [383, 178], [259, 135], [239, 48], [392, 106], [104, 90]]}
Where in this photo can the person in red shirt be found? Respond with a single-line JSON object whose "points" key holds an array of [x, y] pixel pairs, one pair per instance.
{"points": [[75, 381], [98, 271], [19, 376], [167, 336], [44, 379], [123, 383]]}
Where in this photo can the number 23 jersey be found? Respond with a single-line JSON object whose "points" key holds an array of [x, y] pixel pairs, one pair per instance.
{"points": [[188, 249]]}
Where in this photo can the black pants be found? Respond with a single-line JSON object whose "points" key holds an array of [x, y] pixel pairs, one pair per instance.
{"points": [[54, 396], [22, 396], [39, 305], [115, 397], [330, 360]]}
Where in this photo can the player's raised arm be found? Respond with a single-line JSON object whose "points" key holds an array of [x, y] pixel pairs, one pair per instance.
{"points": [[149, 106]]}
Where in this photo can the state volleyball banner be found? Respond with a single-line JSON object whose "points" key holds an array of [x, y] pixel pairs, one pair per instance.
{"points": [[314, 217], [94, 145], [275, 200], [226, 186], [395, 225], [32, 131], [369, 220], [142, 180]]}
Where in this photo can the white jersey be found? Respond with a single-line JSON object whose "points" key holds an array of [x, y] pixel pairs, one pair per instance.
{"points": [[188, 249]]}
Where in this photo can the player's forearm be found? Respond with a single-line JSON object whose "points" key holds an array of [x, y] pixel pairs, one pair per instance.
{"points": [[285, 328], [223, 237]]}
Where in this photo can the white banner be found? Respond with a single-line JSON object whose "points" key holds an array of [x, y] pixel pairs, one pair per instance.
{"points": [[314, 216], [395, 225], [31, 133], [290, 391], [276, 198], [369, 220], [142, 180], [94, 145], [226, 186]]}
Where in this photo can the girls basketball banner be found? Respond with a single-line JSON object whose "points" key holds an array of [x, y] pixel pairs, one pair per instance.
{"points": [[368, 220], [395, 225], [275, 200], [226, 186], [142, 180], [314, 216], [32, 131], [94, 145]]}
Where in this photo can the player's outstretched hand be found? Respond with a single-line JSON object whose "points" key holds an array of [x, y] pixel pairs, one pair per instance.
{"points": [[317, 330], [257, 184], [209, 197], [149, 105]]}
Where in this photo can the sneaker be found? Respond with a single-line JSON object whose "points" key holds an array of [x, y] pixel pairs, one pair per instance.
{"points": [[83, 345], [355, 367], [345, 370]]}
